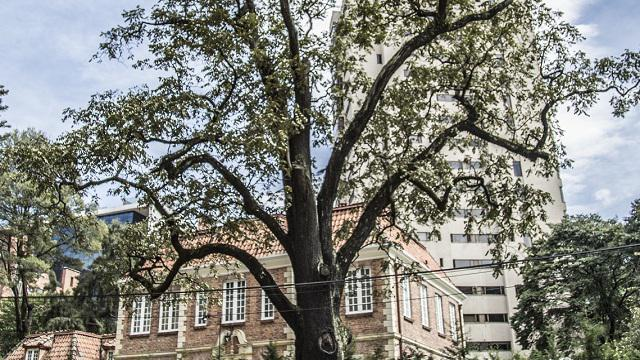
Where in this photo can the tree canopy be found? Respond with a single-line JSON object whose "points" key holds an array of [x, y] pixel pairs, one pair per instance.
{"points": [[249, 93], [39, 222], [562, 304]]}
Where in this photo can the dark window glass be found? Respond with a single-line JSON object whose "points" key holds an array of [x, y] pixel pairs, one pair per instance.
{"points": [[467, 290], [517, 168], [458, 238], [497, 317], [470, 318], [494, 290], [379, 58]]}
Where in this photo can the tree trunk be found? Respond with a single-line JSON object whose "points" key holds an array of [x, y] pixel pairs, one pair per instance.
{"points": [[18, 312], [316, 338], [25, 307]]}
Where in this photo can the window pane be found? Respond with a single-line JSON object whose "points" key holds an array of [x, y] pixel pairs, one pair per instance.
{"points": [[517, 168], [453, 322], [439, 315], [494, 290], [458, 238], [424, 305]]}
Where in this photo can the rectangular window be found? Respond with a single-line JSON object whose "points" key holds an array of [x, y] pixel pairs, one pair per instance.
{"points": [[445, 97], [406, 297], [202, 305], [233, 301], [467, 290], [456, 165], [109, 355], [439, 314], [453, 322], [424, 305], [428, 237], [141, 317], [379, 58], [458, 238], [489, 346], [169, 308], [359, 297], [497, 317], [459, 263], [517, 168], [471, 238], [490, 317], [32, 354], [267, 307], [493, 290]]}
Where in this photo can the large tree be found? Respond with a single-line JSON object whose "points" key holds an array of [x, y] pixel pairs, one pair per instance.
{"points": [[575, 305], [39, 222], [249, 93]]}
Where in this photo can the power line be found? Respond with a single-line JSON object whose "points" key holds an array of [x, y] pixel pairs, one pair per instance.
{"points": [[252, 295], [494, 265]]}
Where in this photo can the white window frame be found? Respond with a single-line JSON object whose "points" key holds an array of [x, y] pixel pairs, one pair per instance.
{"points": [[406, 296], [424, 305], [267, 309], [168, 314], [439, 314], [141, 316], [453, 322], [201, 309], [359, 291], [234, 301], [32, 353]]}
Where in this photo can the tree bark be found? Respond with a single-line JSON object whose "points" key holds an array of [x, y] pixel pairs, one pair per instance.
{"points": [[316, 336]]}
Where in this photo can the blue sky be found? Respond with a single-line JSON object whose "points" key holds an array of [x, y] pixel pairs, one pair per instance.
{"points": [[46, 47]]}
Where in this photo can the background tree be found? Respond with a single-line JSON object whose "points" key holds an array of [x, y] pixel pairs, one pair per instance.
{"points": [[243, 104], [589, 300], [3, 92], [38, 223]]}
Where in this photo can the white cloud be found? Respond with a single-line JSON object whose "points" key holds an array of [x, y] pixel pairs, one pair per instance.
{"points": [[604, 196]]}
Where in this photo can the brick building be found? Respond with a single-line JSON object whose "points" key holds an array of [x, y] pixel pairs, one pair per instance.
{"points": [[234, 319]]}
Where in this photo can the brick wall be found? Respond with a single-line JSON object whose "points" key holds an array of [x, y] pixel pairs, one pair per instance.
{"points": [[377, 328]]}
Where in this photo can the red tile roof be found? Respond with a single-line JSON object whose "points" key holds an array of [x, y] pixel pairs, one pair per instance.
{"points": [[65, 345], [259, 242]]}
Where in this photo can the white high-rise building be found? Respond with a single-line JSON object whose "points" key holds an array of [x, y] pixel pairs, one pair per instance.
{"points": [[491, 300]]}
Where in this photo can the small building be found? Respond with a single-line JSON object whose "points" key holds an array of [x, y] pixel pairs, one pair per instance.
{"points": [[386, 313], [64, 345]]}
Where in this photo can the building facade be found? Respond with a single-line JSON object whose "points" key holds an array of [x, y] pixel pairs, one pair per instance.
{"points": [[384, 311]]}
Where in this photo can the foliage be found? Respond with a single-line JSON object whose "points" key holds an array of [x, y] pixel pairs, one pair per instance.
{"points": [[588, 298], [379, 353], [349, 350], [243, 102], [271, 352], [3, 92], [628, 346], [412, 353], [40, 222]]}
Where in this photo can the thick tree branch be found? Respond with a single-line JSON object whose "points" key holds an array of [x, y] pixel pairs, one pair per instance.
{"points": [[288, 310], [250, 204], [383, 197]]}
